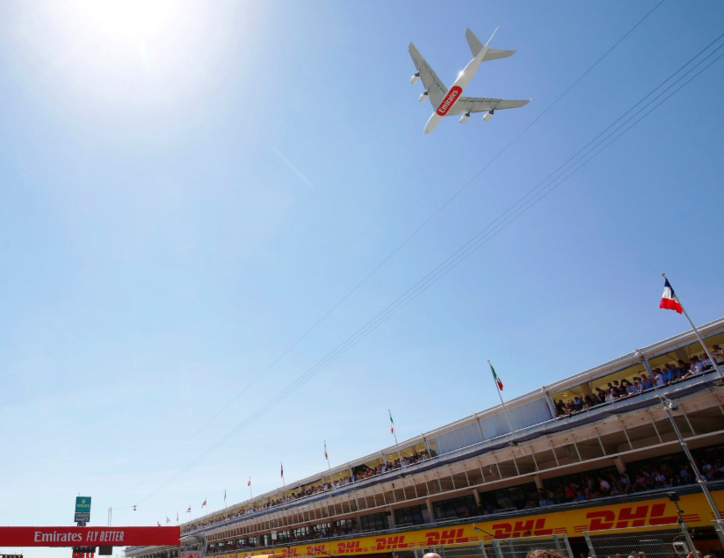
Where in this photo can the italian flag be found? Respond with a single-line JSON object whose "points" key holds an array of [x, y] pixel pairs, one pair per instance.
{"points": [[392, 423], [495, 377]]}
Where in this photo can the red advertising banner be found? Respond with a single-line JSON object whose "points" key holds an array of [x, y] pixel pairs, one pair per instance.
{"points": [[89, 536]]}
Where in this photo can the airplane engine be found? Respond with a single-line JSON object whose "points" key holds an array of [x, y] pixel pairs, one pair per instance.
{"points": [[488, 116], [423, 97], [464, 118], [414, 78]]}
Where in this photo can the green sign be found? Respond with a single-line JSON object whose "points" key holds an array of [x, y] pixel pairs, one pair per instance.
{"points": [[82, 510], [82, 504]]}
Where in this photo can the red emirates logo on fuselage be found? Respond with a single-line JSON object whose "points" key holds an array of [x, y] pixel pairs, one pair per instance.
{"points": [[449, 100]]}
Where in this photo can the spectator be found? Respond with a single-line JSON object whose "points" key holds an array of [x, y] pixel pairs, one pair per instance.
{"points": [[545, 553], [718, 354]]}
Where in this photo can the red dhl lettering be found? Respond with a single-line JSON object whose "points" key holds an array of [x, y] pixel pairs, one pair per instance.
{"points": [[290, 552], [449, 100], [348, 547], [521, 528], [446, 536], [629, 517], [638, 516], [657, 516], [389, 543], [314, 549]]}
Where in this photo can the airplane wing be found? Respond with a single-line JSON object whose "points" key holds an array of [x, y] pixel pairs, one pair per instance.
{"points": [[482, 104], [436, 89]]}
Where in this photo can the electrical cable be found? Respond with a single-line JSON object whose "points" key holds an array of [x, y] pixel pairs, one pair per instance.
{"points": [[476, 242], [403, 244]]}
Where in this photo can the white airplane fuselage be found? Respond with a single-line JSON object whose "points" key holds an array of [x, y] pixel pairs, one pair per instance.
{"points": [[456, 91]]}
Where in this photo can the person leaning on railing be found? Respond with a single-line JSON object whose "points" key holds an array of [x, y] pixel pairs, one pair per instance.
{"points": [[544, 553]]}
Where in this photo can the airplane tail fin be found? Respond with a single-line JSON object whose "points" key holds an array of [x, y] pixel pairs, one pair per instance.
{"points": [[493, 53], [475, 45]]}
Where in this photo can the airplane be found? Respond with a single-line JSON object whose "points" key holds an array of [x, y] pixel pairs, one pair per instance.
{"points": [[448, 102]]}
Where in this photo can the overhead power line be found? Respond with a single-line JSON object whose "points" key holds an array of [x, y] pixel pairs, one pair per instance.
{"points": [[617, 129], [414, 233]]}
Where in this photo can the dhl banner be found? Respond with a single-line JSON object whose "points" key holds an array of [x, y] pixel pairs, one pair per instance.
{"points": [[646, 513]]}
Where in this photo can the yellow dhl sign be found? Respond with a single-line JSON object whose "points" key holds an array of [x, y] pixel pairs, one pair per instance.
{"points": [[647, 513]]}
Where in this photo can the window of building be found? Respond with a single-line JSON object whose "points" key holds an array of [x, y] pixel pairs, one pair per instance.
{"points": [[375, 522], [464, 506], [514, 497], [414, 515]]}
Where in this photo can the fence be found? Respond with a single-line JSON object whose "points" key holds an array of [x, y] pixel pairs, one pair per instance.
{"points": [[668, 542], [672, 542], [503, 548]]}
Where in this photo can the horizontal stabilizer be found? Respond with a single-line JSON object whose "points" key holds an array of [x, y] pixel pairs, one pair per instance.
{"points": [[495, 53]]}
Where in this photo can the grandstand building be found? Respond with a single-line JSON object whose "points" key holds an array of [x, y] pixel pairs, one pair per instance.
{"points": [[595, 451]]}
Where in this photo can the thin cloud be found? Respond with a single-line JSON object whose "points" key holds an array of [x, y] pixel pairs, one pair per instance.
{"points": [[294, 169]]}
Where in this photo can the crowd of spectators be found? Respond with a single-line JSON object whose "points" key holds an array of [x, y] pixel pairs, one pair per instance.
{"points": [[365, 472], [316, 532], [591, 486], [669, 374], [358, 474], [668, 472]]}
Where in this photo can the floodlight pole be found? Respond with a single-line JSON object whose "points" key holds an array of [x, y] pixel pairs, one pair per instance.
{"points": [[668, 406]]}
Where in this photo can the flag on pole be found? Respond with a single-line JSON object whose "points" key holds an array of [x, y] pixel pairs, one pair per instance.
{"points": [[202, 505], [282, 466], [224, 495], [392, 423], [167, 520], [188, 510], [668, 299], [495, 377], [176, 517], [326, 456], [249, 483]]}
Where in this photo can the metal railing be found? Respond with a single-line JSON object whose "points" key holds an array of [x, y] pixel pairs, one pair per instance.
{"points": [[671, 542]]}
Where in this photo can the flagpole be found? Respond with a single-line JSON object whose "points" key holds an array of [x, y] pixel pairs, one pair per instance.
{"points": [[505, 409], [250, 496], [329, 466], [696, 332], [284, 482], [394, 433]]}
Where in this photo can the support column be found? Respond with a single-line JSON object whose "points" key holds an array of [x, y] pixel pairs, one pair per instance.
{"points": [[476, 495], [430, 509]]}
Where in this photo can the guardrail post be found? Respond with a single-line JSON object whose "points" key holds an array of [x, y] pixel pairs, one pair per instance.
{"points": [[687, 537], [496, 548], [567, 545], [589, 543], [719, 528]]}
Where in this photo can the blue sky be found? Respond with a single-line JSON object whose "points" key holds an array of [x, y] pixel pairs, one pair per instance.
{"points": [[188, 187]]}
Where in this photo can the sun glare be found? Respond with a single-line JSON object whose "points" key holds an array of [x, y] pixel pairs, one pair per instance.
{"points": [[128, 18]]}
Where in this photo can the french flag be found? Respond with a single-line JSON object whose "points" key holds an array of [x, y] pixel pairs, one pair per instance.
{"points": [[669, 300]]}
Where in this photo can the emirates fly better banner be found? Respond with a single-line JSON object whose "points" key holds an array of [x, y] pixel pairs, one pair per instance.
{"points": [[89, 536]]}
